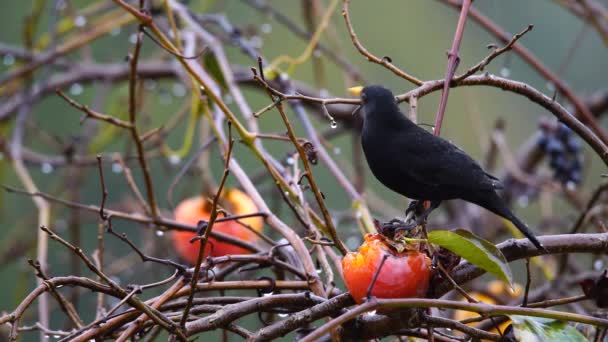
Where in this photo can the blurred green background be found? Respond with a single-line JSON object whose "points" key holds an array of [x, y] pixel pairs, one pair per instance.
{"points": [[414, 33]]}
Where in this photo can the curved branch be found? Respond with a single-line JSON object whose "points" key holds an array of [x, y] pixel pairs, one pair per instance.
{"points": [[532, 94], [385, 62]]}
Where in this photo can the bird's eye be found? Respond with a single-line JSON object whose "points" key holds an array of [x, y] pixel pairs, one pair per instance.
{"points": [[363, 97]]}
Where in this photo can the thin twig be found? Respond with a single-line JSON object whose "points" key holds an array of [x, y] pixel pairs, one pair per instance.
{"points": [[93, 114], [528, 282], [497, 52], [385, 61], [308, 171], [104, 191], [134, 58], [453, 61], [204, 235], [155, 315]]}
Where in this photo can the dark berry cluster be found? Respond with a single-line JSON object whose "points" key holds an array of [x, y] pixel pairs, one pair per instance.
{"points": [[564, 151]]}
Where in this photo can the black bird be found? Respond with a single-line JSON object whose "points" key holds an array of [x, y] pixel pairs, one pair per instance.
{"points": [[419, 165]]}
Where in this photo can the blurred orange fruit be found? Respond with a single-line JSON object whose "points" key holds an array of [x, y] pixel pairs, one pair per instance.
{"points": [[194, 209]]}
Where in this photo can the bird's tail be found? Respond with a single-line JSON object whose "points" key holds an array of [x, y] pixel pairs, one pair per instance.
{"points": [[498, 207], [522, 227]]}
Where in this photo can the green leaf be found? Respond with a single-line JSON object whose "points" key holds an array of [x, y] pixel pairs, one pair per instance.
{"points": [[539, 329], [476, 250], [213, 67]]}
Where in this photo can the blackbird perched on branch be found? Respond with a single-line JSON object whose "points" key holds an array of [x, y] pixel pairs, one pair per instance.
{"points": [[419, 165]]}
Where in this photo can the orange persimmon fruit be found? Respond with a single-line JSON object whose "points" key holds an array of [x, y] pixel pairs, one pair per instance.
{"points": [[194, 209], [403, 274]]}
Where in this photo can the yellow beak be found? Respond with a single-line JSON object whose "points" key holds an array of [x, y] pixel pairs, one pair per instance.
{"points": [[356, 91]]}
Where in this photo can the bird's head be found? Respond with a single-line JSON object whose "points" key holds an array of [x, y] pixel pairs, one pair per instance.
{"points": [[377, 102]]}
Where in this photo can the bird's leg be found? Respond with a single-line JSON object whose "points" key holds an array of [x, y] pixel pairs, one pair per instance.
{"points": [[420, 219], [415, 215], [415, 206], [412, 212]]}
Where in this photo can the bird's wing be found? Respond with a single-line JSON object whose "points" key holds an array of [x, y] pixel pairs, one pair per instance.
{"points": [[438, 162], [495, 181]]}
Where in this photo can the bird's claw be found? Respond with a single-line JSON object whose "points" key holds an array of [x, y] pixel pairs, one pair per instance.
{"points": [[394, 226], [414, 207], [418, 213]]}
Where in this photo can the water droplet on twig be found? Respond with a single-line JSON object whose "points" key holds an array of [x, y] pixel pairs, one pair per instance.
{"points": [[76, 89], [8, 60], [266, 28], [133, 38], [46, 168], [174, 159], [598, 265], [116, 168], [80, 21]]}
